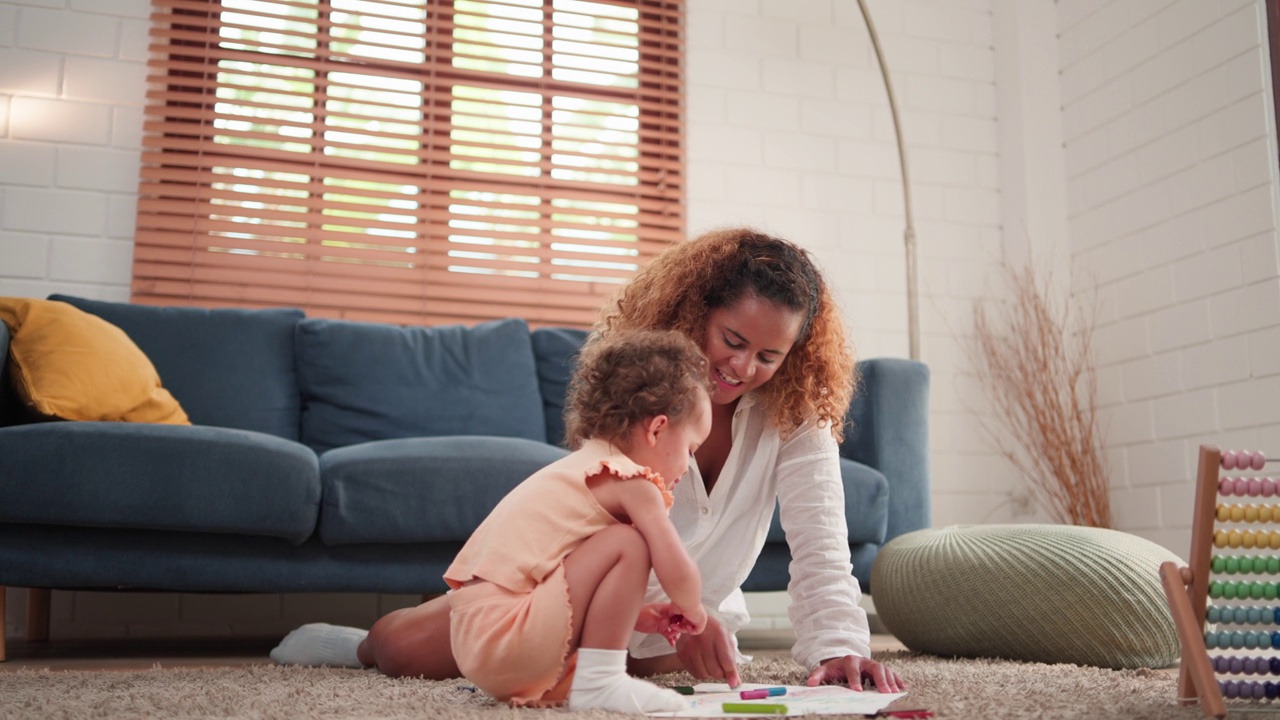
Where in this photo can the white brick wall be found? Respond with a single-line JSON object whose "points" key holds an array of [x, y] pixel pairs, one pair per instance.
{"points": [[71, 94], [1171, 174]]}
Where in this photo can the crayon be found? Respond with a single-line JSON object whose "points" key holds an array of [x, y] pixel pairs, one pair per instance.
{"points": [[683, 689], [754, 708], [761, 693]]}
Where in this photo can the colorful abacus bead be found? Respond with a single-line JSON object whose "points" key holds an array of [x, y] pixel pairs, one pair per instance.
{"points": [[1229, 459], [1228, 665], [1259, 460]]}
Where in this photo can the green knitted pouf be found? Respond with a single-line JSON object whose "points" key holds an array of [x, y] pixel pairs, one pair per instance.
{"points": [[1039, 593]]}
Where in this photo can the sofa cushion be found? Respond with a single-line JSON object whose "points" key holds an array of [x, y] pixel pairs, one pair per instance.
{"points": [[421, 489], [555, 351], [228, 367], [372, 381], [866, 505], [71, 365], [889, 430], [158, 477]]}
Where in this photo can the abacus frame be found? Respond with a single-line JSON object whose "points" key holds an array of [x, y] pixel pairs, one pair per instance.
{"points": [[1187, 590]]}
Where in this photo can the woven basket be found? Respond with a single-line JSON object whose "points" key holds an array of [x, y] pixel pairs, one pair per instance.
{"points": [[1040, 593]]}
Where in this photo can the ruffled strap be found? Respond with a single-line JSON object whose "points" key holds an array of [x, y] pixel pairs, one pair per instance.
{"points": [[625, 469]]}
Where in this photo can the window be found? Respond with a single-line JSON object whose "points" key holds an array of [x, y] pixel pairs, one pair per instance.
{"points": [[412, 161]]}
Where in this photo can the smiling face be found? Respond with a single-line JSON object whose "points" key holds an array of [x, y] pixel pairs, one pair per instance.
{"points": [[745, 344]]}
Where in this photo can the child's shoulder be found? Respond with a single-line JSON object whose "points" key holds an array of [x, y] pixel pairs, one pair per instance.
{"points": [[637, 479]]}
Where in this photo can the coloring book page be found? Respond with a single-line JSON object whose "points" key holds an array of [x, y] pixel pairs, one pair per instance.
{"points": [[708, 700]]}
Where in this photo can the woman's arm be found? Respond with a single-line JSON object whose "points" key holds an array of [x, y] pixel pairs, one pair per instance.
{"points": [[833, 637], [824, 610]]}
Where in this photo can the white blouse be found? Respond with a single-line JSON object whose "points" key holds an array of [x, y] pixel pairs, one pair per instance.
{"points": [[725, 531]]}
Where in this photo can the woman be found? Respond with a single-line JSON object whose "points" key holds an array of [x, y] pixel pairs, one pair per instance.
{"points": [[783, 377]]}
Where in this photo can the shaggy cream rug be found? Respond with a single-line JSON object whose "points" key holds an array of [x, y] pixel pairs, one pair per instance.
{"points": [[978, 689]]}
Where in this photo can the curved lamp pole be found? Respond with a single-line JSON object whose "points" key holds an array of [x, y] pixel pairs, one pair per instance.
{"points": [[909, 235]]}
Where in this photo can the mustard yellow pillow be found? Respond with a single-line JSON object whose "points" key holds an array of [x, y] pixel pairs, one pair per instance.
{"points": [[69, 364]]}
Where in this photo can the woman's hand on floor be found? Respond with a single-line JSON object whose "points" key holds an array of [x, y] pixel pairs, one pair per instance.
{"points": [[854, 670]]}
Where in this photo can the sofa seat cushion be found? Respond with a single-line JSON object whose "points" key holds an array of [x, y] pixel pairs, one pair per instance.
{"points": [[373, 381], [421, 489], [1037, 593], [158, 477], [228, 367], [866, 505]]}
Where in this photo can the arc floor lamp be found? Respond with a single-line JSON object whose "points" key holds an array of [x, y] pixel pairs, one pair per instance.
{"points": [[909, 234]]}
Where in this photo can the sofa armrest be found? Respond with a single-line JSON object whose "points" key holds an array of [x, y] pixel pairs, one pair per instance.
{"points": [[887, 427]]}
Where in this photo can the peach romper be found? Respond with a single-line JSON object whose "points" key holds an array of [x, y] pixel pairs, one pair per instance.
{"points": [[510, 620]]}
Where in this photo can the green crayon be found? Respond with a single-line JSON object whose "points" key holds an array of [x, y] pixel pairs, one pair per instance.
{"points": [[755, 708]]}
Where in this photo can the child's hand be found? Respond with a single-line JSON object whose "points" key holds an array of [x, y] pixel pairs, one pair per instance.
{"points": [[665, 619], [694, 621]]}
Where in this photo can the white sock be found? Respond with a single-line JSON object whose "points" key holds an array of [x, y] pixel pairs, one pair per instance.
{"points": [[320, 644], [601, 681]]}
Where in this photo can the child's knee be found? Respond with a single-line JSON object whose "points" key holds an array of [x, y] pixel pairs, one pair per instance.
{"points": [[631, 545]]}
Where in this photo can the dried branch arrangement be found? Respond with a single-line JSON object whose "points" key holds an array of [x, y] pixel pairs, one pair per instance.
{"points": [[1035, 361]]}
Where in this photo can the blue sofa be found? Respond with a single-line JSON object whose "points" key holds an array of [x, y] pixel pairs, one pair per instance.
{"points": [[332, 455]]}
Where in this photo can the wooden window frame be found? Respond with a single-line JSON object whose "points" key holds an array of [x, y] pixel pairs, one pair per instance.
{"points": [[181, 247]]}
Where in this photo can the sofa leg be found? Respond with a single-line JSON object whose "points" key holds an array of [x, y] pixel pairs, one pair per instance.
{"points": [[3, 592], [38, 600]]}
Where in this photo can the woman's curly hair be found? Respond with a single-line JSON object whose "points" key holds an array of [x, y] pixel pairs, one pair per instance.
{"points": [[627, 378], [679, 288]]}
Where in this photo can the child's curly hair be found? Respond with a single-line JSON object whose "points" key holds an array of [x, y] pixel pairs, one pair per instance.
{"points": [[629, 377], [679, 288]]}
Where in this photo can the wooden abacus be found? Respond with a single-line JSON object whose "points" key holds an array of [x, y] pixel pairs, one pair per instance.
{"points": [[1247, 555]]}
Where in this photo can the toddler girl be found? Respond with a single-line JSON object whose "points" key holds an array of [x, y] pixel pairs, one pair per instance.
{"points": [[561, 564]]}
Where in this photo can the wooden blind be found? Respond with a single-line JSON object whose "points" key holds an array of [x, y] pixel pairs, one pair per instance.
{"points": [[411, 161]]}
